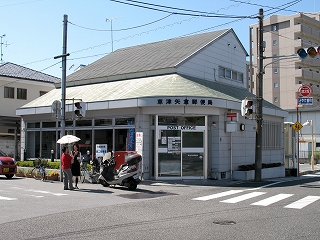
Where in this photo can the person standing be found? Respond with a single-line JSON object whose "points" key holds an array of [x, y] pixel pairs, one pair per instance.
{"points": [[75, 169], [66, 160]]}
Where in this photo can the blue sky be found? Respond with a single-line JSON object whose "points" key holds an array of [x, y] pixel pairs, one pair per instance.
{"points": [[34, 28]]}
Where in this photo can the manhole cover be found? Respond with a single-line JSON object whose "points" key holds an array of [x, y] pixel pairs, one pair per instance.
{"points": [[224, 222]]}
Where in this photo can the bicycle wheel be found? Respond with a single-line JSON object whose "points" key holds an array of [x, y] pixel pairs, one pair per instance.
{"points": [[43, 175], [82, 175], [34, 173]]}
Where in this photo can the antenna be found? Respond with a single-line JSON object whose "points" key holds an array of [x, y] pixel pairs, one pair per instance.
{"points": [[1, 43]]}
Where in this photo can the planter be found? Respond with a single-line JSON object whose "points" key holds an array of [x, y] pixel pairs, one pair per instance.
{"points": [[20, 175], [266, 173], [53, 178], [28, 175]]}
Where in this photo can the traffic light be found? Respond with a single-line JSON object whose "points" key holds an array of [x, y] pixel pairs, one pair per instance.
{"points": [[80, 110], [246, 107], [311, 51]]}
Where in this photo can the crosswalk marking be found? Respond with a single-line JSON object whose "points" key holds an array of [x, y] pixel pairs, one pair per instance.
{"points": [[243, 197], [273, 199], [303, 202], [7, 198], [218, 195]]}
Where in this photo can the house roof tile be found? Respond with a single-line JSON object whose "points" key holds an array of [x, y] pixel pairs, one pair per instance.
{"points": [[16, 71]]}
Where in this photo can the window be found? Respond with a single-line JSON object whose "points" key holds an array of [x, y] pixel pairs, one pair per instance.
{"points": [[8, 92], [274, 27], [42, 93], [234, 75], [276, 99], [275, 70], [275, 42], [228, 73], [21, 93], [221, 72], [240, 77], [271, 135], [275, 85]]}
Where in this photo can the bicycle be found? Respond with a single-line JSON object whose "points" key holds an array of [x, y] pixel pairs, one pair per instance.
{"points": [[39, 165], [85, 174]]}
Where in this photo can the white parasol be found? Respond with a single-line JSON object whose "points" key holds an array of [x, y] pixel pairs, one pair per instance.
{"points": [[66, 139]]}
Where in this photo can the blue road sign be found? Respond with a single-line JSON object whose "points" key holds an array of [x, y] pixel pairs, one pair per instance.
{"points": [[305, 101]]}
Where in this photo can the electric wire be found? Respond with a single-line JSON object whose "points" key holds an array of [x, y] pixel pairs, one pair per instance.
{"points": [[124, 29], [185, 14]]}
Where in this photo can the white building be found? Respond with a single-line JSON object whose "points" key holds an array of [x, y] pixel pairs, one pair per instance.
{"points": [[19, 85], [178, 93]]}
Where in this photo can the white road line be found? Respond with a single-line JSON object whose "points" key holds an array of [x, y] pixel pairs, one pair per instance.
{"points": [[243, 197], [218, 195], [7, 198], [303, 202], [273, 199]]}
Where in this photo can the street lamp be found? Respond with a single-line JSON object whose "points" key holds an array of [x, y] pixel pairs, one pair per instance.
{"points": [[310, 123]]}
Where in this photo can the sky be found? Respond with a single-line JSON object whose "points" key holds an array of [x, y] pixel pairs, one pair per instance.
{"points": [[32, 30]]}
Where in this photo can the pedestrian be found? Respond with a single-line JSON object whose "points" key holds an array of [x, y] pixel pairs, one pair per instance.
{"points": [[66, 160], [75, 169]]}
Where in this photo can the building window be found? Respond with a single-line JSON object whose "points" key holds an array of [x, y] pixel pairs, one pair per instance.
{"points": [[275, 85], [271, 135], [221, 72], [42, 93], [275, 42], [274, 27], [276, 99], [8, 92], [275, 70], [240, 77], [228, 73], [22, 93]]}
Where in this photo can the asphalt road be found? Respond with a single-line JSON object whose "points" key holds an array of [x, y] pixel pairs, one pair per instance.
{"points": [[285, 208]]}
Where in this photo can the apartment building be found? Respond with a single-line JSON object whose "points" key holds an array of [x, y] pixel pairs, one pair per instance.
{"points": [[18, 86], [285, 72]]}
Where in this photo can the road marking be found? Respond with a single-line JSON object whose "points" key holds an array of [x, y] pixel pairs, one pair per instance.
{"points": [[243, 197], [218, 195], [271, 200], [41, 191], [7, 198], [303, 202]]}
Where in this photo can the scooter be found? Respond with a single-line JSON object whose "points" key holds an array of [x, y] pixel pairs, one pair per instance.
{"points": [[128, 174]]}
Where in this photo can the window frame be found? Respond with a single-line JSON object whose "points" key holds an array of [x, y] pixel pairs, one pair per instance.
{"points": [[8, 92], [22, 93]]}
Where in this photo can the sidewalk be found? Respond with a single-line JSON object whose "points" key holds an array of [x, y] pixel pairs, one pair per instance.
{"points": [[306, 168]]}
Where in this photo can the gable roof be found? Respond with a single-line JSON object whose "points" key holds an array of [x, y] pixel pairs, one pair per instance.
{"points": [[148, 57], [16, 71]]}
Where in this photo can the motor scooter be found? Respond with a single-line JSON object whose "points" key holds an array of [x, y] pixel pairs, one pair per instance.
{"points": [[128, 174]]}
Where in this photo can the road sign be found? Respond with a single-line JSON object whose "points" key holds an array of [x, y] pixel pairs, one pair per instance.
{"points": [[56, 109], [305, 101], [297, 126], [305, 90]]}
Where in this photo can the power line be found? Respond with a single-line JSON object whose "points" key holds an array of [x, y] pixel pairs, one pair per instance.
{"points": [[124, 29], [209, 15]]}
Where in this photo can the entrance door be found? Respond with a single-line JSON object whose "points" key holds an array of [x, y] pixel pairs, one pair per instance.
{"points": [[181, 152]]}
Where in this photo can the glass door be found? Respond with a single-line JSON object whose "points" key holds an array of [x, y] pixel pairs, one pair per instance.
{"points": [[192, 154], [181, 152]]}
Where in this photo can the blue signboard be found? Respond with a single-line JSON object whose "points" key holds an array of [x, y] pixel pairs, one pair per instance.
{"points": [[130, 138], [305, 101]]}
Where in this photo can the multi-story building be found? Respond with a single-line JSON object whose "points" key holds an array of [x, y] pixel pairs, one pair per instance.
{"points": [[285, 72], [19, 85]]}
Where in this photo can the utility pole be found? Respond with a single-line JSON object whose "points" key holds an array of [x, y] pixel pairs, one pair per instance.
{"points": [[258, 155], [63, 81]]}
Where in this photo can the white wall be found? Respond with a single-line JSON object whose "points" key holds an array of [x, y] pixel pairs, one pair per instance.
{"points": [[9, 105], [225, 52]]}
